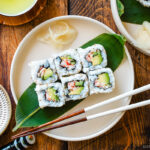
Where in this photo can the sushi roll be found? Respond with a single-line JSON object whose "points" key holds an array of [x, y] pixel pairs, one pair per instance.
{"points": [[145, 3], [75, 86], [50, 95], [101, 81], [43, 71], [68, 63], [93, 57]]}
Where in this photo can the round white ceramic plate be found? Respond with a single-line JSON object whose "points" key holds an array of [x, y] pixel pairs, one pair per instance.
{"points": [[129, 30], [31, 49]]}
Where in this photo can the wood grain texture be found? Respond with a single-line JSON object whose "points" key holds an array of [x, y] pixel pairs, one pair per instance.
{"points": [[133, 130], [9, 40], [24, 18]]}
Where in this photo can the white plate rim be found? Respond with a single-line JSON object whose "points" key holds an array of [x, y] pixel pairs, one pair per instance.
{"points": [[80, 18], [122, 29]]}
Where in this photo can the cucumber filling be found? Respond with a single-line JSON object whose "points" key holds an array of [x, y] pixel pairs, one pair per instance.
{"points": [[75, 87], [51, 95], [67, 62], [103, 81], [94, 58]]}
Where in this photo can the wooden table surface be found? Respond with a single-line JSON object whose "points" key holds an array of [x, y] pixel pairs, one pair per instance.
{"points": [[133, 130]]}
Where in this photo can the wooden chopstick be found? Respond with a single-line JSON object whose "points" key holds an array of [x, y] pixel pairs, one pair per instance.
{"points": [[52, 122], [53, 127], [130, 93], [120, 109]]}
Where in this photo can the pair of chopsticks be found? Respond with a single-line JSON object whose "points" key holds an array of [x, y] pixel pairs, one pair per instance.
{"points": [[120, 109]]}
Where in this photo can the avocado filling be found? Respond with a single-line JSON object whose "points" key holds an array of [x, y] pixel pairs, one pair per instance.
{"points": [[45, 72], [94, 58], [67, 62], [51, 95], [75, 87], [103, 81]]}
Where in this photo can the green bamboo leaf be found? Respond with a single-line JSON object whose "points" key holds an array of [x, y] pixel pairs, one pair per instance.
{"points": [[120, 7], [28, 113], [134, 12]]}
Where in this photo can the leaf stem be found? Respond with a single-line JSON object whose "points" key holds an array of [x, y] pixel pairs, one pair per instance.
{"points": [[31, 114]]}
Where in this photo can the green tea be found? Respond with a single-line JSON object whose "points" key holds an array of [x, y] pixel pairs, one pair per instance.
{"points": [[14, 7]]}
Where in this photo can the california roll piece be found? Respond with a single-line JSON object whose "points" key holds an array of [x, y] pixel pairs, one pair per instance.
{"points": [[145, 3], [43, 71], [50, 95], [75, 86], [101, 81], [68, 63], [93, 57]]}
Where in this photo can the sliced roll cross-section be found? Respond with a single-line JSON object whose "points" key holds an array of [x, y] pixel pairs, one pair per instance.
{"points": [[43, 71], [68, 63], [93, 57], [101, 81], [50, 95], [75, 86]]}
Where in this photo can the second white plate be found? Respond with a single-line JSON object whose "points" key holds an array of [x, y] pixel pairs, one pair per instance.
{"points": [[129, 30]]}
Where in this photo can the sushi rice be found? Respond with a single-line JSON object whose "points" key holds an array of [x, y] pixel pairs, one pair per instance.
{"points": [[64, 66], [35, 69], [96, 87], [75, 78], [87, 53], [145, 3], [41, 93], [74, 84]]}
